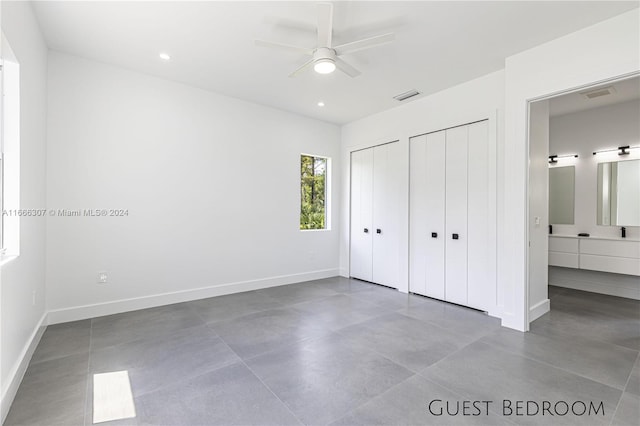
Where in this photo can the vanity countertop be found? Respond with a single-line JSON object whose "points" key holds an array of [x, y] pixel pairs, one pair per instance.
{"points": [[594, 237]]}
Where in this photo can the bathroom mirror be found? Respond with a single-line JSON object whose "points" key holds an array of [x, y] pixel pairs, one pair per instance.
{"points": [[561, 195], [619, 193]]}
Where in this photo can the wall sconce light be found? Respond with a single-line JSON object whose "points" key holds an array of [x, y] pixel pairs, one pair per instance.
{"points": [[553, 159], [622, 150]]}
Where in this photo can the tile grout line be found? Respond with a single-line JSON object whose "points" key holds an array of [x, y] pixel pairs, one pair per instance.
{"points": [[463, 396], [613, 416], [525, 357], [261, 381], [529, 357], [340, 332], [195, 311], [546, 364], [416, 374], [397, 312], [442, 327], [583, 337], [376, 352], [282, 306], [151, 337], [487, 344], [187, 378], [305, 340], [377, 396], [271, 391]]}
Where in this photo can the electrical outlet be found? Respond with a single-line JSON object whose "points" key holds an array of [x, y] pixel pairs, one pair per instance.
{"points": [[102, 277]]}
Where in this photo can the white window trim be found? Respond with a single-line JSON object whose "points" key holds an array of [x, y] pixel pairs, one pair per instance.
{"points": [[10, 151], [327, 199]]}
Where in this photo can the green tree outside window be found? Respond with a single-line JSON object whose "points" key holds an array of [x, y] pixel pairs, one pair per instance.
{"points": [[313, 178]]}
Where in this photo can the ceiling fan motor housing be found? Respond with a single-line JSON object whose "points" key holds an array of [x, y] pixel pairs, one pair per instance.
{"points": [[324, 53]]}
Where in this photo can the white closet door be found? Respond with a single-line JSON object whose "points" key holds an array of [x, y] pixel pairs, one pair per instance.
{"points": [[418, 205], [481, 290], [387, 185], [362, 214], [435, 215], [456, 222]]}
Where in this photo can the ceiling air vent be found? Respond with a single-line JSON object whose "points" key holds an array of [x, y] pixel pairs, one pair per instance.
{"points": [[406, 95], [603, 91]]}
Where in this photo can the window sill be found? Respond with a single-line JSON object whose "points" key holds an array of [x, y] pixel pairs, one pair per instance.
{"points": [[315, 230], [7, 258]]}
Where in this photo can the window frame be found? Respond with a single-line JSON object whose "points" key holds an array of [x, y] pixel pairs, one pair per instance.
{"points": [[10, 112], [327, 193]]}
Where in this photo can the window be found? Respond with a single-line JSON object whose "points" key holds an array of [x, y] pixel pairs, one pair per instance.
{"points": [[314, 190], [9, 151]]}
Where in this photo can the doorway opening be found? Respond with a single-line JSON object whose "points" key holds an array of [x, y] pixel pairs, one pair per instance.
{"points": [[584, 212]]}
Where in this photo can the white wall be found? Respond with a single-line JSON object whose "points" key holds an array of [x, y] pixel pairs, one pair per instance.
{"points": [[628, 196], [477, 99], [583, 133], [24, 276], [595, 54], [538, 208], [211, 185]]}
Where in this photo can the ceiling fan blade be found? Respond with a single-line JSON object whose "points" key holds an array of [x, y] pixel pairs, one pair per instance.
{"points": [[325, 24], [302, 68], [282, 46], [365, 43], [346, 68]]}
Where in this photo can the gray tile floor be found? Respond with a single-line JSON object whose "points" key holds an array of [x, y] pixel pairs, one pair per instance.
{"points": [[338, 351]]}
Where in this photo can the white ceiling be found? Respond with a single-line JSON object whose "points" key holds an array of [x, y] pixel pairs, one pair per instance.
{"points": [[438, 44], [623, 91]]}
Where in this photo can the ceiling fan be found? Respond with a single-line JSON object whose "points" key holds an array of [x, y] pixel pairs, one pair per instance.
{"points": [[325, 58]]}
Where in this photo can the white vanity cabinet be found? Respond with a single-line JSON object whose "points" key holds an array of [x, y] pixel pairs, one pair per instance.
{"points": [[620, 256], [563, 251]]}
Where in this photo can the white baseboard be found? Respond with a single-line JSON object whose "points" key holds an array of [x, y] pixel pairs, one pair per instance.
{"points": [[344, 272], [495, 312], [117, 306], [539, 309], [512, 321], [17, 372]]}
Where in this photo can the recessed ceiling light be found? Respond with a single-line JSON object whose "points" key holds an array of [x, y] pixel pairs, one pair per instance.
{"points": [[165, 56], [320, 104]]}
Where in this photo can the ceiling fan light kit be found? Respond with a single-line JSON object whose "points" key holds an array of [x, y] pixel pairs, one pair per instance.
{"points": [[325, 58], [324, 66]]}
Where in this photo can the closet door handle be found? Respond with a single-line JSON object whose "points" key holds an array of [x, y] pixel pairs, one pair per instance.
{"points": [[378, 231], [454, 236], [366, 230], [434, 235]]}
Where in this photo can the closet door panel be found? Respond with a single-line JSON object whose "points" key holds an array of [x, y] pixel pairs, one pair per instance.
{"points": [[435, 215], [387, 181], [418, 205], [481, 291], [362, 214], [456, 220]]}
